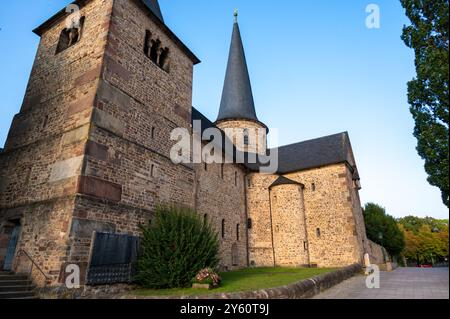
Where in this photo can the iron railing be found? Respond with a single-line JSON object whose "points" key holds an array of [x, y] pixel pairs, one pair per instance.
{"points": [[34, 265]]}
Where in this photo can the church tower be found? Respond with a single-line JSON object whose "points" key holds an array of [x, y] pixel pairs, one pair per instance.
{"points": [[237, 114], [89, 150]]}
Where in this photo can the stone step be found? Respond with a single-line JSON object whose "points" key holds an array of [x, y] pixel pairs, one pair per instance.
{"points": [[17, 288], [8, 283], [16, 294], [13, 277]]}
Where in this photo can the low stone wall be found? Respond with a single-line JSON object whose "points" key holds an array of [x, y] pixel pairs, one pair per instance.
{"points": [[378, 254]]}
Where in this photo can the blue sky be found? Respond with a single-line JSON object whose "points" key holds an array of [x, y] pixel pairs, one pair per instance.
{"points": [[315, 68]]}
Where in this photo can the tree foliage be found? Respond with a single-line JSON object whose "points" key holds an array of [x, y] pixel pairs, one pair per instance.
{"points": [[175, 247], [383, 229], [428, 92], [426, 238]]}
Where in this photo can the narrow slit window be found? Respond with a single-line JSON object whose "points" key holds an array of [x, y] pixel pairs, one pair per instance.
{"points": [[152, 171], [246, 137], [318, 233], [153, 132], [223, 228], [147, 43], [237, 232], [313, 187]]}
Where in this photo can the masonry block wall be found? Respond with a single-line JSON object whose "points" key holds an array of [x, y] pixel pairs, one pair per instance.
{"points": [[289, 226], [335, 235]]}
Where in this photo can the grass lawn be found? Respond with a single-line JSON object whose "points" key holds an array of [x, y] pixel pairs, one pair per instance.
{"points": [[244, 280]]}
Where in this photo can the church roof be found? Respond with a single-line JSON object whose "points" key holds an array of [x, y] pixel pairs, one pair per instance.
{"points": [[315, 153], [237, 97], [323, 151], [153, 5]]}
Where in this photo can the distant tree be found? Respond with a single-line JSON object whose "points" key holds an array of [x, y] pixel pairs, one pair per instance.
{"points": [[428, 92], [383, 229], [426, 238]]}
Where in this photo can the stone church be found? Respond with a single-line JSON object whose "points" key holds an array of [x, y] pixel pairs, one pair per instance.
{"points": [[89, 151]]}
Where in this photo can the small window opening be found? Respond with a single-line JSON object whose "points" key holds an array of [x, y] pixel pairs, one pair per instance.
{"points": [[223, 228], [152, 171], [246, 137], [305, 245], [237, 232], [44, 124], [249, 223], [313, 187], [318, 233], [70, 36], [164, 59], [153, 132], [147, 43], [154, 51]]}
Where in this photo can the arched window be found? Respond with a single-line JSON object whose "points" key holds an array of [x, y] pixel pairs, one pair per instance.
{"points": [[70, 36], [154, 51], [164, 59], [246, 137], [223, 228], [147, 43]]}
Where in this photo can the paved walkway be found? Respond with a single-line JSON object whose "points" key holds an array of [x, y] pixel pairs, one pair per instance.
{"points": [[402, 283]]}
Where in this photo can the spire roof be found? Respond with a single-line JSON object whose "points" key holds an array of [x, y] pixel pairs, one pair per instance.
{"points": [[154, 6], [237, 97]]}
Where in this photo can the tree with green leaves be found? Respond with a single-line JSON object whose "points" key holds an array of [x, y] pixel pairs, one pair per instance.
{"points": [[382, 229], [426, 238], [175, 247], [428, 93]]}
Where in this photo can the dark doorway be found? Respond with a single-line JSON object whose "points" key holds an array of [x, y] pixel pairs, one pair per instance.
{"points": [[11, 250]]}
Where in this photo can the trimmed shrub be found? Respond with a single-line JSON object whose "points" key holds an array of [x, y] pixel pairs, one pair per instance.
{"points": [[175, 247]]}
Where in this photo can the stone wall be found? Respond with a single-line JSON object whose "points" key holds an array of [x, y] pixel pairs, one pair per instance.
{"points": [[288, 225], [377, 254]]}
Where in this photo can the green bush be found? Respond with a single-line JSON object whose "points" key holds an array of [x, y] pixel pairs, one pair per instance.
{"points": [[175, 247]]}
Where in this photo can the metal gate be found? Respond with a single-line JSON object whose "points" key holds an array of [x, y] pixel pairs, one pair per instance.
{"points": [[113, 259]]}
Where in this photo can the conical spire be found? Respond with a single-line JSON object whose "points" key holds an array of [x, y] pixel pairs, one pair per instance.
{"points": [[154, 6], [237, 98]]}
